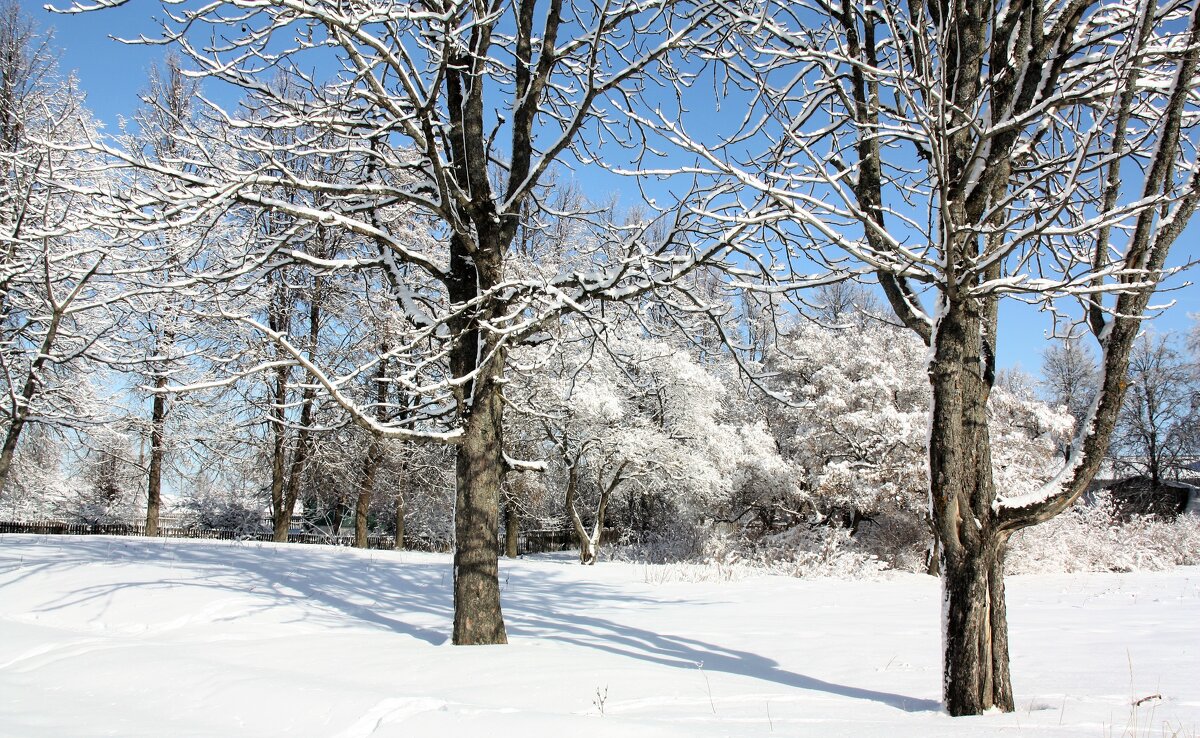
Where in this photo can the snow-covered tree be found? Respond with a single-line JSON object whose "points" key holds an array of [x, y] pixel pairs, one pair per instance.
{"points": [[442, 122], [1069, 378], [626, 416], [856, 421], [966, 152], [58, 300]]}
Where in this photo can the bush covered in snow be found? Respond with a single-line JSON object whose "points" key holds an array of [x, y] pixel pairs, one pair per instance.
{"points": [[1093, 538]]}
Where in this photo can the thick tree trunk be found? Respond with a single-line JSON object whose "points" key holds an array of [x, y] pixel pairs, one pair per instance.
{"points": [[975, 634], [975, 631], [479, 466], [158, 422]]}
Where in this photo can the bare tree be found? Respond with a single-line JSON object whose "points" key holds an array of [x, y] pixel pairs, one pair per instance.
{"points": [[1152, 435], [965, 152]]}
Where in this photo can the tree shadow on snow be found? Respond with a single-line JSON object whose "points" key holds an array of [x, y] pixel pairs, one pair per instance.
{"points": [[553, 611], [343, 589], [345, 592]]}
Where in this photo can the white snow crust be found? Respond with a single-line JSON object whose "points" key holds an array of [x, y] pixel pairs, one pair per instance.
{"points": [[136, 637]]}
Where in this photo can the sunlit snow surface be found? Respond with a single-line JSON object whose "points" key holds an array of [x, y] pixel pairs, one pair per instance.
{"points": [[129, 637]]}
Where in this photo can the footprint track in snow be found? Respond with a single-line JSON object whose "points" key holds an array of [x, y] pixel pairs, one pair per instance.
{"points": [[389, 711]]}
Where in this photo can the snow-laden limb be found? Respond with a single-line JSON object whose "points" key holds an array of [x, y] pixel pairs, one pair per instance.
{"points": [[525, 465]]}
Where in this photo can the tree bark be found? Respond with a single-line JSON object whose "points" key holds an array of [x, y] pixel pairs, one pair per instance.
{"points": [[20, 408], [158, 422], [362, 504], [975, 632], [972, 544], [283, 520], [366, 487], [399, 546], [587, 553], [478, 466], [278, 444], [291, 491], [512, 528]]}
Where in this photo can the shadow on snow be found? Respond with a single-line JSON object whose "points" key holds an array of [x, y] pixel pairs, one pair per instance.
{"points": [[354, 588]]}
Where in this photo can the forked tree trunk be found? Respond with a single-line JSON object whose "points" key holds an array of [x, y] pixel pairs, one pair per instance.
{"points": [[589, 543], [587, 552], [975, 631]]}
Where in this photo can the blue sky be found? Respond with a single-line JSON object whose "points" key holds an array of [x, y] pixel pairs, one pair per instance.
{"points": [[112, 74]]}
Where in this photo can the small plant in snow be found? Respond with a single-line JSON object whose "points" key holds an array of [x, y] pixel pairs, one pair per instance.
{"points": [[600, 699]]}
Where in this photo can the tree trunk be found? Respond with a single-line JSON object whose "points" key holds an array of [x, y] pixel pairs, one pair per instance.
{"points": [[975, 669], [479, 358], [479, 464], [366, 488], [587, 552], [975, 635], [158, 422], [20, 409], [10, 444], [283, 520], [399, 520], [512, 528], [291, 492], [278, 444]]}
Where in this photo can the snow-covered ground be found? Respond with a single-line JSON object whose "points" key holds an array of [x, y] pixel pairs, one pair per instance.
{"points": [[130, 637]]}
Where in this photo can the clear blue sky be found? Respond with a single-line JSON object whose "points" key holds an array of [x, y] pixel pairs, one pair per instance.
{"points": [[112, 75]]}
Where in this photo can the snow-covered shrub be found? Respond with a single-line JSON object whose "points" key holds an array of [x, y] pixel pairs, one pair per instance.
{"points": [[37, 481], [211, 509], [819, 551], [1093, 538], [672, 542]]}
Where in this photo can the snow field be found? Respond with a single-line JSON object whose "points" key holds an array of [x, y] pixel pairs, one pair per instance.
{"points": [[135, 637]]}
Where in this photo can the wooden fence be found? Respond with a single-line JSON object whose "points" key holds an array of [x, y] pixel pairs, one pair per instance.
{"points": [[53, 527], [542, 541], [531, 541]]}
